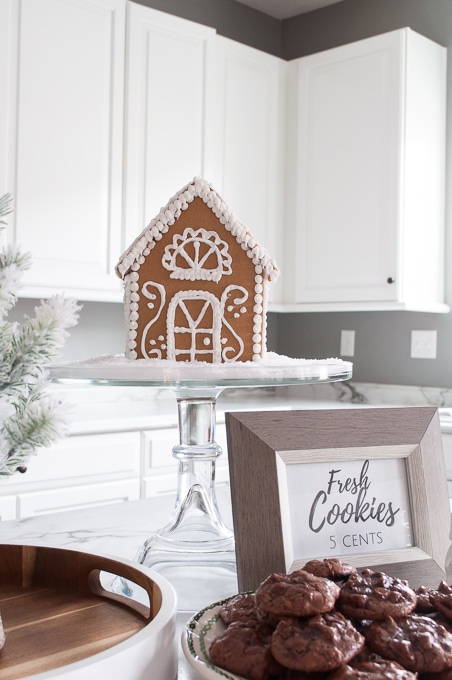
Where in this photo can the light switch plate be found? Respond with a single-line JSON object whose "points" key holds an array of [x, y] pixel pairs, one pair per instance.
{"points": [[423, 344], [347, 343]]}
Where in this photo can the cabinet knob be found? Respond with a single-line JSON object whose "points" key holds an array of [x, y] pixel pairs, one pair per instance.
{"points": [[390, 279]]}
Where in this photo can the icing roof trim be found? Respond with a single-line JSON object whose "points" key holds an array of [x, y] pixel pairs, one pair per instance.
{"points": [[171, 212]]}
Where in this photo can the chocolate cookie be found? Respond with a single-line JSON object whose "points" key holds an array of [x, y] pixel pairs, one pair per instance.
{"points": [[424, 604], [373, 670], [239, 608], [297, 594], [416, 642], [331, 568], [269, 619], [240, 649], [441, 599], [317, 644], [375, 595]]}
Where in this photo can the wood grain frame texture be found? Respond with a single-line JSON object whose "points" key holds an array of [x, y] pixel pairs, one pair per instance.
{"points": [[257, 439]]}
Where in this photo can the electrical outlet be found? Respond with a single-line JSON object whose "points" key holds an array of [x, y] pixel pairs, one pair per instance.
{"points": [[347, 343], [423, 344]]}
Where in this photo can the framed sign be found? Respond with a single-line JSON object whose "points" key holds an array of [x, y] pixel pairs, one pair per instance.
{"points": [[364, 485]]}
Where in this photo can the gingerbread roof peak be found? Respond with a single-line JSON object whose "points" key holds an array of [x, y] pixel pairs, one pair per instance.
{"points": [[171, 212]]}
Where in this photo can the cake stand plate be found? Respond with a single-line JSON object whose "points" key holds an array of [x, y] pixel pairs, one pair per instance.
{"points": [[196, 542]]}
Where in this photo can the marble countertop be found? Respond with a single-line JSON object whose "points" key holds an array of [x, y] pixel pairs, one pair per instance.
{"points": [[119, 530], [102, 408]]}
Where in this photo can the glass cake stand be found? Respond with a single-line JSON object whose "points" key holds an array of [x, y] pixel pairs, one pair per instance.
{"points": [[196, 542]]}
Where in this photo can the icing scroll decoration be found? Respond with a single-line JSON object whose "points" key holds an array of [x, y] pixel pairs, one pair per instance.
{"points": [[155, 352], [197, 255], [238, 306]]}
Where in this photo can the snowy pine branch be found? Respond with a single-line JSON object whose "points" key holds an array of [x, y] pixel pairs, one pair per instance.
{"points": [[29, 420], [5, 206]]}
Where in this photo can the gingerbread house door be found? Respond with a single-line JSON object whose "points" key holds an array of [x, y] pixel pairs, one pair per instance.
{"points": [[194, 327]]}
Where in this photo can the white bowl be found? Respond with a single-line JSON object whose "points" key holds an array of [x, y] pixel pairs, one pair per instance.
{"points": [[197, 636]]}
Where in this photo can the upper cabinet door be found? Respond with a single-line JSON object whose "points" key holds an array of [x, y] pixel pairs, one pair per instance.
{"points": [[169, 85], [368, 127], [248, 164], [63, 142]]}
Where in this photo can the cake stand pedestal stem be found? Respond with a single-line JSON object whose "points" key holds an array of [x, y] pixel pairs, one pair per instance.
{"points": [[195, 542]]}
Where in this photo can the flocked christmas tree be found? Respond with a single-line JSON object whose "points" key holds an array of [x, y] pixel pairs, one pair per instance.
{"points": [[30, 418]]}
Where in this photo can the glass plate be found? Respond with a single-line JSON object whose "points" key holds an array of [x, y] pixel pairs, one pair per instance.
{"points": [[197, 637]]}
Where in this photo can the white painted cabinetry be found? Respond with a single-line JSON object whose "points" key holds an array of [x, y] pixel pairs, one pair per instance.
{"points": [[248, 165], [62, 137], [169, 117], [366, 175], [93, 149], [76, 472], [335, 161], [83, 471]]}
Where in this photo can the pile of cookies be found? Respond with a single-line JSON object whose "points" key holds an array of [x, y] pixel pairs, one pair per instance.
{"points": [[328, 621]]}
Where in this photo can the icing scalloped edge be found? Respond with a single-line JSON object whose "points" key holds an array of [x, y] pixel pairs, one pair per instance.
{"points": [[172, 211]]}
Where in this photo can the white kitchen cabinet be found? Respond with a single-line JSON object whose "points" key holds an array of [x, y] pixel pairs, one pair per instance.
{"points": [[77, 471], [365, 182], [248, 165], [85, 470], [334, 161], [62, 134], [170, 81]]}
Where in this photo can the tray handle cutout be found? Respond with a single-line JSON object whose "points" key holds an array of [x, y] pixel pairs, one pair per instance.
{"points": [[63, 569], [127, 575]]}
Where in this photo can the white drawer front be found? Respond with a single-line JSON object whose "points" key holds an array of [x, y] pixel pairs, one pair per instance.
{"points": [[77, 497], [81, 456]]}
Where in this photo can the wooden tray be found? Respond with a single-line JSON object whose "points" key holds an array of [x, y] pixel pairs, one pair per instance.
{"points": [[59, 620]]}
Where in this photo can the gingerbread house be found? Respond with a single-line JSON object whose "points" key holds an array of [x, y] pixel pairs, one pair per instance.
{"points": [[196, 283]]}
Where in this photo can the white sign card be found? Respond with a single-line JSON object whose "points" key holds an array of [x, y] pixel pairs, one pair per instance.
{"points": [[344, 507]]}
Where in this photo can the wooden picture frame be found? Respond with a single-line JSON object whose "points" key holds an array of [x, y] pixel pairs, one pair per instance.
{"points": [[262, 444]]}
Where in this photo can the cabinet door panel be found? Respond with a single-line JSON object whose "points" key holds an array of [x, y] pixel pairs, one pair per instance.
{"points": [[157, 449], [349, 159], [166, 122], [66, 179], [248, 166]]}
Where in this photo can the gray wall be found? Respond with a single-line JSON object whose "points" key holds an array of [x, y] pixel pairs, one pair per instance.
{"points": [[382, 338], [230, 19]]}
